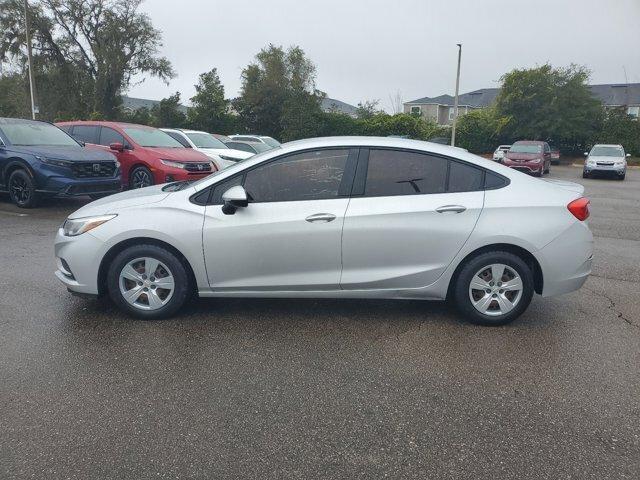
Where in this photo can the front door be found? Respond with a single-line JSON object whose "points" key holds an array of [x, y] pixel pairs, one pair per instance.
{"points": [[414, 214], [289, 236]]}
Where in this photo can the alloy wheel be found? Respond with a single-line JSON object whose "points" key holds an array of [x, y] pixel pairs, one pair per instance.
{"points": [[146, 283], [20, 189], [141, 179], [495, 289]]}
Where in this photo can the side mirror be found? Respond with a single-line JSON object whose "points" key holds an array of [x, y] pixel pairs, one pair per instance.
{"points": [[117, 146], [234, 198], [628, 155]]}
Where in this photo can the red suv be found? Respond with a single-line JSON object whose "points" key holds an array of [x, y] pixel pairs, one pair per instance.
{"points": [[530, 156], [147, 156]]}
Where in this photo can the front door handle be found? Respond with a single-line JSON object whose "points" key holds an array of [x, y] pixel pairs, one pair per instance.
{"points": [[451, 208], [321, 217]]}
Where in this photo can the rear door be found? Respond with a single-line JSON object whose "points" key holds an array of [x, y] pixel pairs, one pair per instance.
{"points": [[409, 215]]}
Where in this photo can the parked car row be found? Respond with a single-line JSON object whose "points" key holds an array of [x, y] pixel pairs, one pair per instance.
{"points": [[98, 158]]}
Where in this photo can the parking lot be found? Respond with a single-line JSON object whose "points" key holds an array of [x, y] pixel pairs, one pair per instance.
{"points": [[249, 388]]}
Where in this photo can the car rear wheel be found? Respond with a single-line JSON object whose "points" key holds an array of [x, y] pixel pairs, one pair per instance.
{"points": [[22, 189], [148, 282], [493, 288], [141, 177]]}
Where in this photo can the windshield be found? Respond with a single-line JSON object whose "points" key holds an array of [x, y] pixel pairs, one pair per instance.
{"points": [[272, 142], [525, 148], [151, 137], [602, 151], [261, 147], [205, 140], [28, 133]]}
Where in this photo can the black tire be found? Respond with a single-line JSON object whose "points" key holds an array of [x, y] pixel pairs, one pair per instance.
{"points": [[537, 174], [621, 177], [461, 293], [140, 177], [585, 175], [182, 287], [22, 189], [548, 169]]}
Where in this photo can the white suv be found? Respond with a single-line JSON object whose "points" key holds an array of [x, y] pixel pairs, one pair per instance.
{"points": [[605, 159], [206, 143], [498, 155]]}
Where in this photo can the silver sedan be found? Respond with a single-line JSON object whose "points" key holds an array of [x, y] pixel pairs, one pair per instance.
{"points": [[343, 217]]}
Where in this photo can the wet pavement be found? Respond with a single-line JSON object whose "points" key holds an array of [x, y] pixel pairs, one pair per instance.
{"points": [[321, 388]]}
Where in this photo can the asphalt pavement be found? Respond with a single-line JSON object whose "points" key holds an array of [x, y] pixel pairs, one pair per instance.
{"points": [[307, 389]]}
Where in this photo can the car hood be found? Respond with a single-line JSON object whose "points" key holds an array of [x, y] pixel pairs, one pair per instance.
{"points": [[522, 156], [605, 159], [179, 154], [72, 154], [227, 152], [571, 186], [119, 201]]}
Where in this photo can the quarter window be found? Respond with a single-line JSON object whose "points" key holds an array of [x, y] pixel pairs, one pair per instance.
{"points": [[464, 178], [404, 173], [311, 175]]}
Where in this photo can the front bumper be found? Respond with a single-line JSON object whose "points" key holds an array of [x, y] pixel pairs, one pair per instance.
{"points": [[78, 261], [525, 166], [70, 187], [612, 169]]}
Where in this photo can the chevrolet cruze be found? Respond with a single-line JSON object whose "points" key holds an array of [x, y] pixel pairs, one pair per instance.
{"points": [[336, 217]]}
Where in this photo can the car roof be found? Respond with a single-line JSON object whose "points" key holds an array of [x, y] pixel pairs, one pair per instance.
{"points": [[103, 123], [529, 142]]}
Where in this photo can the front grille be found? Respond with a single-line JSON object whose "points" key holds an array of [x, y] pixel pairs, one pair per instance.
{"points": [[111, 187], [604, 164], [198, 167], [93, 169]]}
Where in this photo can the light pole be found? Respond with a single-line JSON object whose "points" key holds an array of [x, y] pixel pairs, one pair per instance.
{"points": [[30, 60], [455, 101]]}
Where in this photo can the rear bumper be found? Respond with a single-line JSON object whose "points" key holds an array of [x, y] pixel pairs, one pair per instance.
{"points": [[566, 261]]}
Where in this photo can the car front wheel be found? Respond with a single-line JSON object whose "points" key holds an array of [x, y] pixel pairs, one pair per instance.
{"points": [[22, 189], [148, 281], [141, 177], [493, 288]]}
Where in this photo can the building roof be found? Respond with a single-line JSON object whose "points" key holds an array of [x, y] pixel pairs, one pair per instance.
{"points": [[610, 94], [333, 105], [617, 94], [132, 103], [478, 98]]}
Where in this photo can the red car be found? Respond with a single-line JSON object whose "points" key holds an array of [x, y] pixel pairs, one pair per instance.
{"points": [[147, 155], [529, 156]]}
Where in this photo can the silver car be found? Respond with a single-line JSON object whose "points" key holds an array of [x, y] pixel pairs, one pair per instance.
{"points": [[606, 159], [336, 217]]}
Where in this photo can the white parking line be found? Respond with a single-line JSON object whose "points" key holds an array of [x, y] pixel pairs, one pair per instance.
{"points": [[15, 214]]}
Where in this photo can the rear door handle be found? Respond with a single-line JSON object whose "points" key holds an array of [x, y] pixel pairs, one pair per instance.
{"points": [[321, 217], [451, 208]]}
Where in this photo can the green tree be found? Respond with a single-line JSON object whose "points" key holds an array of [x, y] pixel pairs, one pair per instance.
{"points": [[168, 113], [619, 128], [278, 95], [367, 109], [209, 108], [547, 103], [86, 52], [479, 131], [14, 100]]}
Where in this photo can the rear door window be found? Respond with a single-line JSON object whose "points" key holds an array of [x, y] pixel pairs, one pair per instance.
{"points": [[86, 133], [109, 136], [465, 178]]}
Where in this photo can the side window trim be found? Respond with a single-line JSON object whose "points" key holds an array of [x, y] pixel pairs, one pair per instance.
{"points": [[360, 179]]}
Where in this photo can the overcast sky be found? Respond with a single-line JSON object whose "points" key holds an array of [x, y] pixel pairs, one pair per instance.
{"points": [[371, 49]]}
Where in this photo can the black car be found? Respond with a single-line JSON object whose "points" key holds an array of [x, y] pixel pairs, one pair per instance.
{"points": [[39, 160]]}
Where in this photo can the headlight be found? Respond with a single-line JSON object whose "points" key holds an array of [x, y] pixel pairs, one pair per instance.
{"points": [[78, 226], [535, 160], [172, 163], [53, 161]]}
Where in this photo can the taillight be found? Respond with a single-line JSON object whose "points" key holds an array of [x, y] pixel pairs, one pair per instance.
{"points": [[580, 208]]}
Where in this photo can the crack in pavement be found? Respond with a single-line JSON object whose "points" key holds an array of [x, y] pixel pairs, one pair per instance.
{"points": [[612, 307]]}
